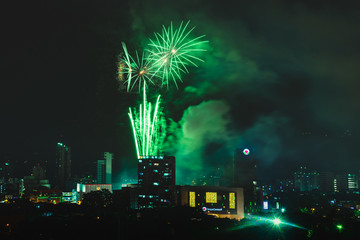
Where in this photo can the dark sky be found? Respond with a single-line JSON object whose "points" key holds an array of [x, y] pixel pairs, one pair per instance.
{"points": [[280, 77]]}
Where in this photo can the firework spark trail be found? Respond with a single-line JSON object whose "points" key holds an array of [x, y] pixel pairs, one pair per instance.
{"points": [[149, 127]]}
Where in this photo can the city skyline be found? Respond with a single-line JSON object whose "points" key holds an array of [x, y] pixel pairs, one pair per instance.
{"points": [[281, 81]]}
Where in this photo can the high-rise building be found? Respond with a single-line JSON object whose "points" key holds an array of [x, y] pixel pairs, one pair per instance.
{"points": [[101, 172], [104, 169], [244, 169], [63, 164], [343, 182], [306, 180], [326, 181], [353, 181], [108, 166], [156, 176], [245, 176]]}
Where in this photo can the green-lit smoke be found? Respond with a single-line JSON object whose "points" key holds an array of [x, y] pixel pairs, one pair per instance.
{"points": [[200, 125]]}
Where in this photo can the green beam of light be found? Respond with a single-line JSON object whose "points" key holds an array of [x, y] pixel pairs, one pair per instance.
{"points": [[274, 222]]}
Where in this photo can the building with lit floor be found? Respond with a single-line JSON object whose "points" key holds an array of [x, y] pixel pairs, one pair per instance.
{"points": [[156, 176], [82, 189], [222, 202]]}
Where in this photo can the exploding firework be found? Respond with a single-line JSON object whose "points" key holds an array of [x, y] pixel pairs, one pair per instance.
{"points": [[137, 70], [149, 127], [172, 51], [167, 59]]}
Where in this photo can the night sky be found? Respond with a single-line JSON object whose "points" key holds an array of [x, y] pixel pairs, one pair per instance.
{"points": [[280, 77]]}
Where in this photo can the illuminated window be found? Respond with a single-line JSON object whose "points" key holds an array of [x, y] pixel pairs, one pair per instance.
{"points": [[232, 200], [192, 199], [211, 197]]}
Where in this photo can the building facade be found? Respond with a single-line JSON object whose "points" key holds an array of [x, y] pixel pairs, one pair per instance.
{"points": [[156, 176], [305, 180], [63, 164], [223, 202], [244, 169]]}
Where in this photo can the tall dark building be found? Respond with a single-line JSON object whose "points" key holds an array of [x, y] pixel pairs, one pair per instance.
{"points": [[156, 176], [104, 169], [245, 176], [244, 169], [63, 164]]}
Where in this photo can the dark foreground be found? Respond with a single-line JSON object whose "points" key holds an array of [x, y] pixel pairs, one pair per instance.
{"points": [[25, 220]]}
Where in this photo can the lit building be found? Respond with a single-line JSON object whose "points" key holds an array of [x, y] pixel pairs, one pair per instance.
{"points": [[86, 188], [156, 175], [305, 180], [108, 167], [104, 169], [63, 164], [69, 197], [223, 202], [343, 182], [101, 171], [353, 181]]}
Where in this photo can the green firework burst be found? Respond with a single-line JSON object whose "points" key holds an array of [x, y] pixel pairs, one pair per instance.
{"points": [[136, 70], [173, 50]]}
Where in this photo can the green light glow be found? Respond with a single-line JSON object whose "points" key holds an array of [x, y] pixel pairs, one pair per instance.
{"points": [[173, 50], [149, 127], [277, 221], [339, 227]]}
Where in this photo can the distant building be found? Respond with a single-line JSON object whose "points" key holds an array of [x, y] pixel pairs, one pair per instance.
{"points": [[104, 169], [63, 164], [36, 180], [326, 181], [101, 172], [156, 176], [108, 166], [244, 169], [223, 202], [353, 181], [343, 182], [82, 189], [245, 176], [305, 180]]}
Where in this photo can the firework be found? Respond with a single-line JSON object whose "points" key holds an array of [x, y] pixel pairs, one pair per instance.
{"points": [[137, 70], [168, 57], [172, 51], [149, 127]]}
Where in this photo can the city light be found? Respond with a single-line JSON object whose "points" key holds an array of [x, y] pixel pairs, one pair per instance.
{"points": [[339, 227], [277, 221], [246, 151]]}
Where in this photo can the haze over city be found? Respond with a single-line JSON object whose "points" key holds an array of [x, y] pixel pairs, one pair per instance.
{"points": [[280, 78]]}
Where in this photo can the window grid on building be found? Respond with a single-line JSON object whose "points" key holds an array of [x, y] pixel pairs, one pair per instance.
{"points": [[232, 200], [192, 199], [211, 197]]}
